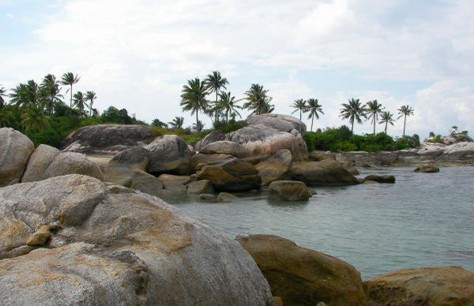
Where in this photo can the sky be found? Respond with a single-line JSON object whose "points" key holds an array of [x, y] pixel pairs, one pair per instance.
{"points": [[138, 54]]}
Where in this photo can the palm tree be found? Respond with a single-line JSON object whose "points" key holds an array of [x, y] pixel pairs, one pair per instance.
{"points": [[3, 93], [374, 108], [26, 96], [214, 82], [228, 104], [314, 109], [193, 97], [354, 111], [34, 121], [79, 101], [257, 100], [177, 123], [198, 126], [70, 79], [299, 105], [387, 118], [90, 96], [404, 111], [51, 91]]}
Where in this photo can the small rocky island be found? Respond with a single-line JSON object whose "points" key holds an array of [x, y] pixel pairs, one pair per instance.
{"points": [[75, 232]]}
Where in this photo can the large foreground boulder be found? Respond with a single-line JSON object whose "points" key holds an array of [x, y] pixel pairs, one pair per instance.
{"points": [[83, 243], [304, 277], [106, 138], [169, 154], [325, 172], [47, 162], [424, 286], [15, 149], [268, 133]]}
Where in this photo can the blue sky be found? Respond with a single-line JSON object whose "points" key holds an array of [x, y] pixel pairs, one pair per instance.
{"points": [[138, 54]]}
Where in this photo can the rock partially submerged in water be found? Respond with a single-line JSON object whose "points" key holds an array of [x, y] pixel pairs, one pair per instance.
{"points": [[302, 276], [116, 246], [384, 179], [430, 168], [288, 191], [15, 150], [277, 167], [424, 286], [325, 172]]}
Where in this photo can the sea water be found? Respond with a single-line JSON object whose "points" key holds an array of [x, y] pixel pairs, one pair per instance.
{"points": [[421, 220]]}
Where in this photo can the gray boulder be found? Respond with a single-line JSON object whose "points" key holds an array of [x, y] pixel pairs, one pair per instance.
{"points": [[225, 147], [15, 150], [201, 186], [323, 173], [113, 246], [169, 154], [259, 139], [106, 138], [288, 191], [47, 162], [214, 136], [428, 168], [279, 122], [276, 167]]}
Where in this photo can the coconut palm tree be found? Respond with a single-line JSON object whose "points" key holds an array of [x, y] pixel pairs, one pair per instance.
{"points": [[26, 95], [257, 100], [374, 108], [50, 91], [299, 105], [79, 101], [198, 127], [387, 118], [405, 111], [354, 111], [228, 104], [90, 96], [314, 109], [214, 82], [3, 93], [34, 121], [177, 123], [193, 97], [69, 79]]}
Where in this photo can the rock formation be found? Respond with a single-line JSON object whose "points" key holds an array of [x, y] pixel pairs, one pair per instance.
{"points": [[169, 154], [325, 172], [288, 191], [104, 245], [15, 150]]}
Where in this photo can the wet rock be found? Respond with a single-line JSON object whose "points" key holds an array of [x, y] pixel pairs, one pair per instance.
{"points": [[288, 191], [276, 167], [201, 186], [390, 179], [325, 172], [427, 169], [423, 286], [302, 276]]}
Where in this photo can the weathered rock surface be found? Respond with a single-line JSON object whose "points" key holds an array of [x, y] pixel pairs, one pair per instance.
{"points": [[325, 172], [214, 136], [284, 123], [201, 186], [424, 286], [231, 175], [385, 179], [225, 147], [199, 160], [268, 133], [115, 246], [15, 149], [106, 138], [226, 197], [169, 154], [47, 162], [429, 168], [288, 191], [276, 167], [304, 277]]}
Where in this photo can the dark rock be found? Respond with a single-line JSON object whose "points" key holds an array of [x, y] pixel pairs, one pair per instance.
{"points": [[201, 186], [231, 175], [288, 191], [427, 169], [325, 172], [380, 178], [304, 277], [106, 138], [169, 154]]}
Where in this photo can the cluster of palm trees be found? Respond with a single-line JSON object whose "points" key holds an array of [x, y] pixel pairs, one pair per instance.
{"points": [[225, 106], [37, 102], [355, 111]]}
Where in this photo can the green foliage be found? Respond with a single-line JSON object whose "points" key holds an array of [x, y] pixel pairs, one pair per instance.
{"points": [[230, 126], [341, 139]]}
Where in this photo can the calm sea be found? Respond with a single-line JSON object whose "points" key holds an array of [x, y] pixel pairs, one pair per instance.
{"points": [[421, 220]]}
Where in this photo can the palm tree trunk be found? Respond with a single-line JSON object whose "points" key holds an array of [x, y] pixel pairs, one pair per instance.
{"points": [[404, 124], [352, 128], [197, 119], [386, 123], [300, 114], [374, 125]]}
